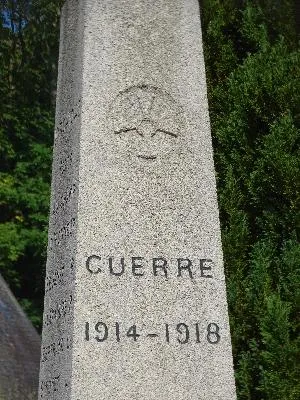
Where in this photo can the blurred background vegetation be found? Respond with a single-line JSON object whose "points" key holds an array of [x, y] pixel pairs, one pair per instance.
{"points": [[252, 57]]}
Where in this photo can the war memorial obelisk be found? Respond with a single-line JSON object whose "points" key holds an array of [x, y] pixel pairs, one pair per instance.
{"points": [[135, 304]]}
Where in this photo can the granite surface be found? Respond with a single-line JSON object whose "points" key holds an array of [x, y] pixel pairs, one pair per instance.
{"points": [[135, 304]]}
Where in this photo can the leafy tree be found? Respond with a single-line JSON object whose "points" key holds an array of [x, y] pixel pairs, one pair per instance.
{"points": [[28, 59], [253, 68]]}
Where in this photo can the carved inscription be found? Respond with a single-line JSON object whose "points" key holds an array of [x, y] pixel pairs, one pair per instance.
{"points": [[65, 162], [64, 199], [57, 278], [55, 348], [66, 123], [159, 267], [147, 116], [58, 238], [63, 138], [182, 333], [49, 387], [59, 311], [54, 387]]}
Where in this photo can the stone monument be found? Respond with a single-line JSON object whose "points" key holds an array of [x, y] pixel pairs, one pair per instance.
{"points": [[135, 304], [20, 347]]}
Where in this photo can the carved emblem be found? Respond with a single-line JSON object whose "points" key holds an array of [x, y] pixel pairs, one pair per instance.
{"points": [[148, 119]]}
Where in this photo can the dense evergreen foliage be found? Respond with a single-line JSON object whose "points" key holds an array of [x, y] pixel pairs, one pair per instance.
{"points": [[253, 69]]}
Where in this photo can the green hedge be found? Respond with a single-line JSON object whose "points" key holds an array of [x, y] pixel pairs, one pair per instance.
{"points": [[253, 71]]}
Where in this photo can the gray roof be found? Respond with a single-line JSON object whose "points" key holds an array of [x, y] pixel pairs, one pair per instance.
{"points": [[19, 350]]}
